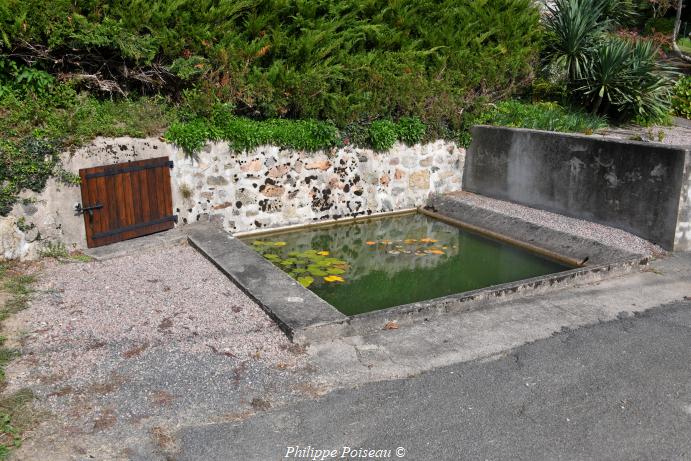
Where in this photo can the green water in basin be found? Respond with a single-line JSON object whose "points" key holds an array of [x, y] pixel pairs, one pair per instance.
{"points": [[371, 265]]}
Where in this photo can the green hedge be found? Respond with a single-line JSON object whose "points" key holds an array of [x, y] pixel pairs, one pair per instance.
{"points": [[338, 60], [681, 101]]}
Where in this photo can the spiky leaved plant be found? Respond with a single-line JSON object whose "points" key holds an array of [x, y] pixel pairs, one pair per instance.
{"points": [[627, 75], [573, 28]]}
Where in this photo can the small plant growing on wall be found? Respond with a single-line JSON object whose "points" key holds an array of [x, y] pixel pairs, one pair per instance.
{"points": [[185, 191], [411, 130], [56, 250], [383, 134]]}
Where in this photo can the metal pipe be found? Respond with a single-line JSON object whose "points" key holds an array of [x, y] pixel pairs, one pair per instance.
{"points": [[504, 238]]}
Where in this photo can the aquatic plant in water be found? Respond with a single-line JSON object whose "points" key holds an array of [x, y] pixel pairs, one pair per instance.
{"points": [[311, 265], [417, 247], [304, 266]]}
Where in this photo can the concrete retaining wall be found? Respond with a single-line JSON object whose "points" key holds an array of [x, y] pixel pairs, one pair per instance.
{"points": [[634, 186], [266, 187], [682, 237]]}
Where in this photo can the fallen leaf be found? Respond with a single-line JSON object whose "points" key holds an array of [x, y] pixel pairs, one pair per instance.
{"points": [[280, 244], [370, 243], [392, 325], [323, 253], [436, 252], [409, 241]]}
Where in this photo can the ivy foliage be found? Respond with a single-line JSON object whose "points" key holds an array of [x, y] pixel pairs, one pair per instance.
{"points": [[28, 165]]}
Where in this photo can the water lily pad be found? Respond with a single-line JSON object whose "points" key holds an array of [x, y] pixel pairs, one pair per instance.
{"points": [[306, 281], [317, 271], [280, 244], [335, 271]]}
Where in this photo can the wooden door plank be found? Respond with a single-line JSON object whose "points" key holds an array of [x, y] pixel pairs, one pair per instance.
{"points": [[101, 216], [111, 200], [152, 178], [166, 190], [136, 197], [144, 196], [128, 205], [85, 199]]}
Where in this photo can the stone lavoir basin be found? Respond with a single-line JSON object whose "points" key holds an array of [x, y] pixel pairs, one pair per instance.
{"points": [[375, 264]]}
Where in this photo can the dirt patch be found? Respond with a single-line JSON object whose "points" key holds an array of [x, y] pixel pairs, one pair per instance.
{"points": [[311, 390], [260, 404], [135, 351], [162, 398], [105, 420], [163, 439]]}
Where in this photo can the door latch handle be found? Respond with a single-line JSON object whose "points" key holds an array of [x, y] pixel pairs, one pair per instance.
{"points": [[79, 209]]}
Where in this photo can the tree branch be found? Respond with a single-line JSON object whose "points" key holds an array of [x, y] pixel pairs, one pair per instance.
{"points": [[675, 34]]}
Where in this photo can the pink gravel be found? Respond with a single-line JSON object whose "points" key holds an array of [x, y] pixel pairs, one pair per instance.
{"points": [[170, 297]]}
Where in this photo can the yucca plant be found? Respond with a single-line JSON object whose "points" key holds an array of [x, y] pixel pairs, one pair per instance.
{"points": [[628, 77], [573, 27], [609, 74]]}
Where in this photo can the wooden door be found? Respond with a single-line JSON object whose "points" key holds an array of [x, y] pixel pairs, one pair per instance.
{"points": [[126, 200]]}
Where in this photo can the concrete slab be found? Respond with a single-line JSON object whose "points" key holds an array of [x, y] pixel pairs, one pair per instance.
{"points": [[128, 247]]}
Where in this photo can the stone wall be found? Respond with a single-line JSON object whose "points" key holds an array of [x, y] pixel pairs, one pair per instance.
{"points": [[271, 187], [265, 187], [634, 186]]}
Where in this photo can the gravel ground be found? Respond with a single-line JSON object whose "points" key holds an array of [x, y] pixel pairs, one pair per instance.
{"points": [[609, 236], [679, 134], [121, 350]]}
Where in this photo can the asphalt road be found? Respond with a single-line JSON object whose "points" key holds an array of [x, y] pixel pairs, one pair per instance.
{"points": [[615, 390]]}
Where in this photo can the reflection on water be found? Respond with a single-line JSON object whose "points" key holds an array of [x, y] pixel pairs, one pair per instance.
{"points": [[398, 260]]}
